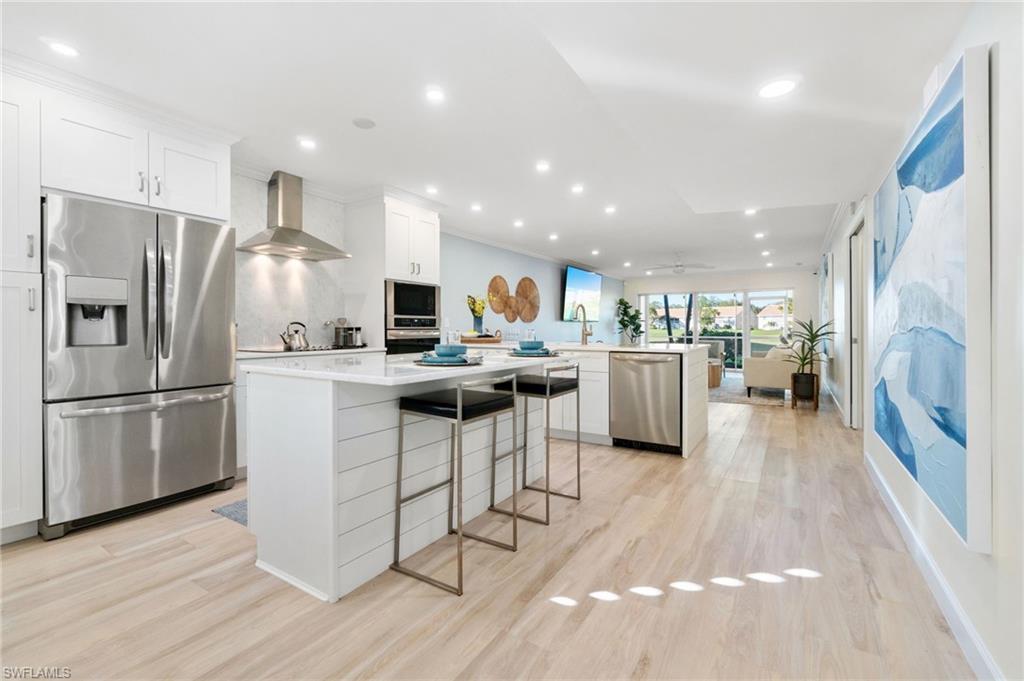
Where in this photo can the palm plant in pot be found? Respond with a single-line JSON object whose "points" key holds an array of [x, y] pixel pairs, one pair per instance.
{"points": [[807, 349], [629, 322]]}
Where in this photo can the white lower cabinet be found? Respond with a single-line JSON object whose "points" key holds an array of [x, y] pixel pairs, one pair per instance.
{"points": [[593, 397], [21, 408]]}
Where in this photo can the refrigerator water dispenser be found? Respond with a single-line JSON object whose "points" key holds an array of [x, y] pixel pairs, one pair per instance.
{"points": [[97, 311]]}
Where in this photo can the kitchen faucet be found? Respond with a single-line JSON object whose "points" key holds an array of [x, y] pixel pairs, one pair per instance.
{"points": [[585, 333]]}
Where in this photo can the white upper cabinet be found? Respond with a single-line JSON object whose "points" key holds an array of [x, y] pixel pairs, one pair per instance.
{"points": [[425, 247], [398, 219], [98, 151], [21, 398], [412, 243], [189, 178], [19, 196], [93, 150]]}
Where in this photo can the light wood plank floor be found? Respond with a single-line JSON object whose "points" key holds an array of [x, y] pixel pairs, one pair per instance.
{"points": [[174, 593]]}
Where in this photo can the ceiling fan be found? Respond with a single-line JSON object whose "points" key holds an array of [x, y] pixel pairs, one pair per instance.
{"points": [[680, 267]]}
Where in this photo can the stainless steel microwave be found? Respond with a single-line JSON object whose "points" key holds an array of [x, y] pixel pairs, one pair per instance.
{"points": [[411, 306]]}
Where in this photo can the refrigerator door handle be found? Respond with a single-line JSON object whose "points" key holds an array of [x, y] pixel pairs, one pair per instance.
{"points": [[150, 406], [149, 285], [167, 303]]}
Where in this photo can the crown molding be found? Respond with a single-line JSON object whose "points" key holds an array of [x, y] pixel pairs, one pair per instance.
{"points": [[64, 81]]}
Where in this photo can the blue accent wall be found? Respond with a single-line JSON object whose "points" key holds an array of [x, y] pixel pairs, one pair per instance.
{"points": [[467, 266]]}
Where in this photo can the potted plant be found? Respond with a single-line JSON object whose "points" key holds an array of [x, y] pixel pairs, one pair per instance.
{"points": [[477, 305], [808, 343], [629, 322]]}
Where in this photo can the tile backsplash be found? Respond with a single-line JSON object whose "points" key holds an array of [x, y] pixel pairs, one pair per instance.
{"points": [[271, 291]]}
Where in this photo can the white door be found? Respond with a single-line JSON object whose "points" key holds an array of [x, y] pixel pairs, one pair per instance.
{"points": [[19, 196], [398, 263], [857, 279], [186, 177], [593, 403], [426, 247], [21, 407], [94, 150]]}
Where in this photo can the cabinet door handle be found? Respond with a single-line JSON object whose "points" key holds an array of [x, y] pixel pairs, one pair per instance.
{"points": [[417, 268], [32, 299], [412, 267], [157, 178], [30, 248], [142, 180]]}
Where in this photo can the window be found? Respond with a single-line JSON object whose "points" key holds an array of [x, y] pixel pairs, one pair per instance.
{"points": [[744, 323]]}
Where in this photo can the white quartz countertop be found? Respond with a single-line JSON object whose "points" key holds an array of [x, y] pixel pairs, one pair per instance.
{"points": [[248, 354], [376, 369], [679, 348]]}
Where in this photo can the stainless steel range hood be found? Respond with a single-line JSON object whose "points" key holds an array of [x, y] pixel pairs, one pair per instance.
{"points": [[284, 235]]}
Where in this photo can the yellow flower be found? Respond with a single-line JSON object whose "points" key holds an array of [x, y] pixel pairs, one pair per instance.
{"points": [[477, 305]]}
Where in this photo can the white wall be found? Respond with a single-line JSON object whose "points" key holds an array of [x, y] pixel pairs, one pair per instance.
{"points": [[467, 266], [837, 370], [271, 291], [982, 595], [803, 283]]}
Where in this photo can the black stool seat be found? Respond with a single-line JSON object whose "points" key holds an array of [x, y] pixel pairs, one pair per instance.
{"points": [[444, 403], [530, 384]]}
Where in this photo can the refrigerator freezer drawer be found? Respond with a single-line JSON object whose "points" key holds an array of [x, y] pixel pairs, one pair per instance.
{"points": [[106, 454]]}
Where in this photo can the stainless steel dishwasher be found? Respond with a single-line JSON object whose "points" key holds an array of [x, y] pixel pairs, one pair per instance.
{"points": [[646, 400]]}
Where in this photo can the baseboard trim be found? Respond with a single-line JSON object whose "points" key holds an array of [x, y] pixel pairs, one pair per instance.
{"points": [[590, 438], [971, 643], [297, 583], [9, 535], [241, 473]]}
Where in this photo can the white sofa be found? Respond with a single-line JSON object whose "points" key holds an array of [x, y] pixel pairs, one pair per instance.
{"points": [[771, 371]]}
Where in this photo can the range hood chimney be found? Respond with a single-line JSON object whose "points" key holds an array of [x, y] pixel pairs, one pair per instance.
{"points": [[284, 235]]}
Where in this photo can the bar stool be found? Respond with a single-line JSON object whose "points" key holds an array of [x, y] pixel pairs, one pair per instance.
{"points": [[456, 406], [547, 388]]}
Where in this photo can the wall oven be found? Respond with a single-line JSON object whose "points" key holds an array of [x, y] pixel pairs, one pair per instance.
{"points": [[411, 316]]}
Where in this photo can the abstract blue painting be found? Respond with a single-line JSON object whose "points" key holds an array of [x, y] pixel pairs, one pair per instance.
{"points": [[919, 331]]}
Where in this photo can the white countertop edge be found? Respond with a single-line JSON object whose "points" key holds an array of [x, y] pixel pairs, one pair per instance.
{"points": [[427, 375], [242, 355], [678, 348]]}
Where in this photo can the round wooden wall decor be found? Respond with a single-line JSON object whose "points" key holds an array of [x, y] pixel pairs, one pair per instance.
{"points": [[511, 307], [528, 298], [497, 293]]}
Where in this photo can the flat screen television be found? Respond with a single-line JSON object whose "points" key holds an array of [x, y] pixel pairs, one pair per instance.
{"points": [[581, 288]]}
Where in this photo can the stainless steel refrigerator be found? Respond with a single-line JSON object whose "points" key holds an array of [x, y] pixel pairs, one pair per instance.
{"points": [[138, 394]]}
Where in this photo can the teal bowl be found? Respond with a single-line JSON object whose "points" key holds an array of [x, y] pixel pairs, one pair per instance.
{"points": [[449, 350], [531, 345]]}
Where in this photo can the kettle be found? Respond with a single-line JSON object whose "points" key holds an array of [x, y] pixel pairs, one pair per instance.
{"points": [[295, 339]]}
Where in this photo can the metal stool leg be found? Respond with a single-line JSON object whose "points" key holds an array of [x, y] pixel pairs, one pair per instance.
{"points": [[546, 520], [399, 500], [514, 546]]}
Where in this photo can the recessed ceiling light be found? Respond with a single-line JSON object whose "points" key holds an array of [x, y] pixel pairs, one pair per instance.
{"points": [[577, 189], [627, 264], [435, 94], [517, 223], [476, 208], [307, 143], [431, 189], [766, 253], [759, 235], [609, 209], [595, 252], [769, 264], [553, 237], [648, 273], [543, 166], [777, 88], [62, 49], [750, 211], [364, 123]]}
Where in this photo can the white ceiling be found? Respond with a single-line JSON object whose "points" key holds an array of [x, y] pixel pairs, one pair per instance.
{"points": [[652, 107]]}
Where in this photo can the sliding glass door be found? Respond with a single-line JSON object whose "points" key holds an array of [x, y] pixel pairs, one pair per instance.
{"points": [[743, 323]]}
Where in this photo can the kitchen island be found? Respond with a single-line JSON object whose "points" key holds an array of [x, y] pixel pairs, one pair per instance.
{"points": [[322, 448]]}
